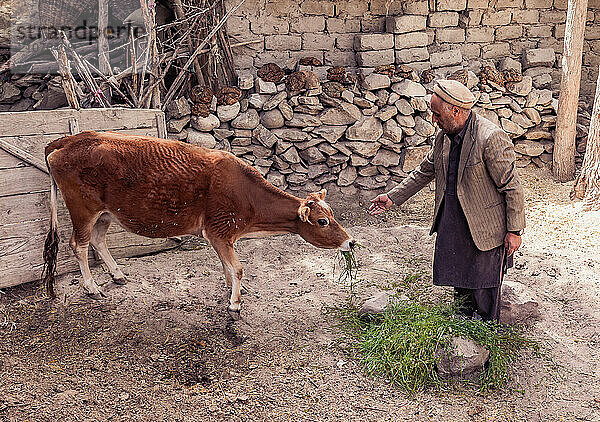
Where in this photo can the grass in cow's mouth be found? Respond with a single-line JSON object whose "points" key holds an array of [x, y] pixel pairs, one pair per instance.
{"points": [[401, 344], [348, 264]]}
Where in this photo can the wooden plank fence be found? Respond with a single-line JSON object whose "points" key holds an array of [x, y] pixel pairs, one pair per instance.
{"points": [[25, 186]]}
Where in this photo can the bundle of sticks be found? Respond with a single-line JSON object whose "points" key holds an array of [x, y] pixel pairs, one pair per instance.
{"points": [[147, 68]]}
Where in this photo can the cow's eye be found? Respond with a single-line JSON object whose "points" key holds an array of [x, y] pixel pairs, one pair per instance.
{"points": [[323, 222]]}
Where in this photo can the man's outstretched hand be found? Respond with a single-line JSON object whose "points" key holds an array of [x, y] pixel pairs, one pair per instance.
{"points": [[380, 204]]}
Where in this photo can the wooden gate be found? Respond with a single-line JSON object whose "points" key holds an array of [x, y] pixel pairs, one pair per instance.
{"points": [[25, 186]]}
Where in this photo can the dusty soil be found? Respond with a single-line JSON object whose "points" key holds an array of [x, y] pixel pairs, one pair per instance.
{"points": [[163, 347]]}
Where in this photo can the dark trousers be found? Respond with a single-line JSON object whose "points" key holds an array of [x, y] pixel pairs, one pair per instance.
{"points": [[486, 302]]}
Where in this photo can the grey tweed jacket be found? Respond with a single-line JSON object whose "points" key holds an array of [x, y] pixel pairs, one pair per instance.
{"points": [[488, 187]]}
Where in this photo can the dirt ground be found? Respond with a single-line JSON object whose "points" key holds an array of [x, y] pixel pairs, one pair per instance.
{"points": [[163, 348]]}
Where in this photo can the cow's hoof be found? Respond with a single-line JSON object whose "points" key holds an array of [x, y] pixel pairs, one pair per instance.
{"points": [[96, 296], [235, 315], [120, 281]]}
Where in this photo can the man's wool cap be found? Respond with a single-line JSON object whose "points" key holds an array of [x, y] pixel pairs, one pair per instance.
{"points": [[454, 92]]}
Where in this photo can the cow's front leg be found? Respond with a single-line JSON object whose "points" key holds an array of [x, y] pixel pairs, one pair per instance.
{"points": [[233, 274]]}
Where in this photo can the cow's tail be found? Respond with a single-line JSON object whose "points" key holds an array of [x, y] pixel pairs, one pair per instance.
{"points": [[51, 244]]}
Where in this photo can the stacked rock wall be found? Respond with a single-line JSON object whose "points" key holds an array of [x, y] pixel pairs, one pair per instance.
{"points": [[439, 33], [347, 132]]}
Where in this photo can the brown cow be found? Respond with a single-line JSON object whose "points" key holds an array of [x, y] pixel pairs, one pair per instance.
{"points": [[163, 188]]}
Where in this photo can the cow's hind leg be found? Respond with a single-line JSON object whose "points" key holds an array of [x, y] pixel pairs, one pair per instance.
{"points": [[80, 242], [98, 241], [233, 274]]}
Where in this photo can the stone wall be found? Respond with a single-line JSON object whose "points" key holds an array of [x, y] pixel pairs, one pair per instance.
{"points": [[439, 33]]}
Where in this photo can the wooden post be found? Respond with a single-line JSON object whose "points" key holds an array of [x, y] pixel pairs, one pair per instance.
{"points": [[563, 161], [103, 47], [587, 186]]}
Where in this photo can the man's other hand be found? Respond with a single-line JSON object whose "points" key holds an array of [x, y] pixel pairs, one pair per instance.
{"points": [[512, 242], [380, 204]]}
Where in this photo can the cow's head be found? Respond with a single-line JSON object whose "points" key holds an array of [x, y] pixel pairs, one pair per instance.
{"points": [[318, 226]]}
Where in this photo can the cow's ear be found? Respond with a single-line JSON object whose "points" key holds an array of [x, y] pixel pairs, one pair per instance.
{"points": [[303, 213], [321, 194]]}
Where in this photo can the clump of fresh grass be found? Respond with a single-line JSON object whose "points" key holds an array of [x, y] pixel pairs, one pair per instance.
{"points": [[402, 343], [347, 262]]}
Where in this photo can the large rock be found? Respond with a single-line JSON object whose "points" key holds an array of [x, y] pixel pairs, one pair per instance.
{"points": [[463, 357], [404, 107], [408, 88], [517, 305], [226, 113], [330, 133], [376, 81], [345, 114], [511, 127], [272, 119], [202, 139], [205, 124], [385, 158], [247, 120], [366, 129]]}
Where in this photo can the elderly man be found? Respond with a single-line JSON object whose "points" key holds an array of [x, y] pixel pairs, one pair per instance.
{"points": [[479, 201]]}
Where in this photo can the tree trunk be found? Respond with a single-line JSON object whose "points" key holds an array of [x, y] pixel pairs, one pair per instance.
{"points": [[563, 162], [587, 186]]}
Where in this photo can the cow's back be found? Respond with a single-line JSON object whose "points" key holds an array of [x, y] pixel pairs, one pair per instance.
{"points": [[154, 187]]}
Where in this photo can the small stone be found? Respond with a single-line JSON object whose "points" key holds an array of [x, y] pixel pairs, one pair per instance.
{"points": [[385, 158], [464, 357], [286, 110], [177, 125], [257, 100], [545, 97], [539, 57], [504, 112], [536, 134], [247, 120], [414, 156], [272, 119], [358, 161], [9, 93], [264, 136], [274, 101], [405, 121], [423, 127], [392, 131], [226, 113], [346, 114], [291, 155], [291, 134], [415, 140], [178, 108], [366, 129], [408, 88], [245, 80], [276, 179], [510, 64], [376, 81], [222, 134], [419, 103], [205, 124], [347, 176], [312, 155], [364, 149], [304, 120], [404, 107], [362, 102], [202, 139], [522, 121], [386, 113], [511, 128], [263, 87], [529, 148], [522, 88], [517, 305], [378, 303], [347, 96], [330, 133]]}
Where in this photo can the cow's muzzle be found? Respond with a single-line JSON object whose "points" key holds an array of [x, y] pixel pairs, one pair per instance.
{"points": [[348, 245]]}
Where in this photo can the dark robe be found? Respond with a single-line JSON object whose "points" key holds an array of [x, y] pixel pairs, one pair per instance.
{"points": [[476, 275]]}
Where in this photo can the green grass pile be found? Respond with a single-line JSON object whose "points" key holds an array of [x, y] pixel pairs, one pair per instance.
{"points": [[402, 343]]}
